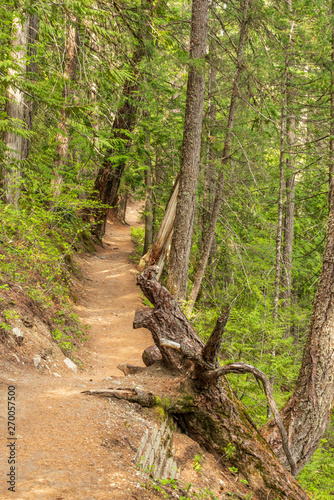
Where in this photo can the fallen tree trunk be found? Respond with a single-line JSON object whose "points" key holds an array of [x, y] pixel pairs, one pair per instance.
{"points": [[206, 407], [157, 253]]}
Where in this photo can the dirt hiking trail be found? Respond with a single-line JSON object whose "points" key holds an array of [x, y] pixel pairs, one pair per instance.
{"points": [[62, 446]]}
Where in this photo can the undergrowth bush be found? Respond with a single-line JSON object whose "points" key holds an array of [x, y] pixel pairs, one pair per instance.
{"points": [[37, 243], [317, 477]]}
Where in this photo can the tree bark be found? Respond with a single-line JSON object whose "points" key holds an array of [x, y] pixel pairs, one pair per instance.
{"points": [[148, 202], [210, 168], [31, 72], [290, 182], [185, 211], [307, 413], [16, 143], [63, 137], [207, 244], [109, 176], [280, 200], [206, 407]]}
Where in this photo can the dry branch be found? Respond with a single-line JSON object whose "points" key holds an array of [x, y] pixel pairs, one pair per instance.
{"points": [[132, 395], [212, 347]]}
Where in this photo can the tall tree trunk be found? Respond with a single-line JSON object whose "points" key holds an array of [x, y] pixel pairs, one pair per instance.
{"points": [[226, 151], [185, 211], [148, 201], [210, 167], [307, 413], [290, 182], [15, 143], [109, 176], [63, 138], [31, 72], [280, 199]]}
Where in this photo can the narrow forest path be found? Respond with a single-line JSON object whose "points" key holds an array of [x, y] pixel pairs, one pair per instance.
{"points": [[109, 299], [71, 446]]}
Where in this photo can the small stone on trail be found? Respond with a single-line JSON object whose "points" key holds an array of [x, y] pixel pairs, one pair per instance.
{"points": [[18, 334], [37, 361], [56, 374], [69, 363], [28, 321], [130, 369]]}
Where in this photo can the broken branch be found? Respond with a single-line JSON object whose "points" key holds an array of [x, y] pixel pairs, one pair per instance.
{"points": [[212, 347], [132, 395]]}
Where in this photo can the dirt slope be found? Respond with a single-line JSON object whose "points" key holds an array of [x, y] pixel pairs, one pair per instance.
{"points": [[62, 447]]}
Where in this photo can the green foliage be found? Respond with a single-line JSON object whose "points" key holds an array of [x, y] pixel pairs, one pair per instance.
{"points": [[234, 470], [197, 463], [168, 487], [138, 238], [229, 451], [317, 477], [131, 47], [8, 315]]}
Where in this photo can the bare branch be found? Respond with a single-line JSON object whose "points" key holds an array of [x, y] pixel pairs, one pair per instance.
{"points": [[241, 368], [132, 395]]}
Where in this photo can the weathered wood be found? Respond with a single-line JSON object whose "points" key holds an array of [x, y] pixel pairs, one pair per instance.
{"points": [[133, 395], [167, 316], [206, 408], [212, 347], [157, 253], [141, 446], [130, 369]]}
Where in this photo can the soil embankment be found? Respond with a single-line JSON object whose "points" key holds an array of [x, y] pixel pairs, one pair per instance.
{"points": [[65, 439]]}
